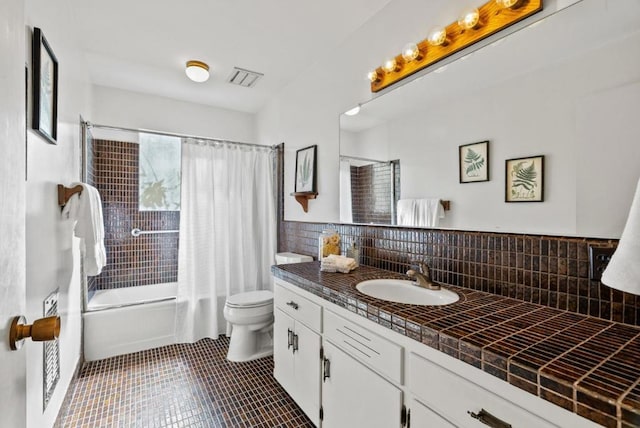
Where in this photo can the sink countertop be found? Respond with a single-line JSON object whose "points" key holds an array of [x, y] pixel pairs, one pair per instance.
{"points": [[584, 364]]}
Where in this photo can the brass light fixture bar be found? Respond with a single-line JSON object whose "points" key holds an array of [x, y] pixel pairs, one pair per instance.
{"points": [[493, 16]]}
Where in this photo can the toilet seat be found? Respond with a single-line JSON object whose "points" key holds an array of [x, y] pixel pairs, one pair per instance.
{"points": [[251, 299]]}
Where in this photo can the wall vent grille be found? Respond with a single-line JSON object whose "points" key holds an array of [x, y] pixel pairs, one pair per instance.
{"points": [[242, 77]]}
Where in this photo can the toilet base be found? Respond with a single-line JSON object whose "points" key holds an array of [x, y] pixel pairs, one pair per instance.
{"points": [[247, 344]]}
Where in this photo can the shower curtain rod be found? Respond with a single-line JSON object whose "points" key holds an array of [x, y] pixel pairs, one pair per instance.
{"points": [[170, 134]]}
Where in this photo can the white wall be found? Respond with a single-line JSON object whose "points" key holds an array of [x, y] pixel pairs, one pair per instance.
{"points": [[116, 107], [52, 256], [307, 112], [12, 199]]}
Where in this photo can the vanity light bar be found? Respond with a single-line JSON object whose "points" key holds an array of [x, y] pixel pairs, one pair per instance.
{"points": [[493, 16]]}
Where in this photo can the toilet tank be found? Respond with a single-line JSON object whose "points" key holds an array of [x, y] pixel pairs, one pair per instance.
{"points": [[285, 258]]}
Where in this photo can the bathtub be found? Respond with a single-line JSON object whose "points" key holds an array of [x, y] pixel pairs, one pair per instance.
{"points": [[129, 319]]}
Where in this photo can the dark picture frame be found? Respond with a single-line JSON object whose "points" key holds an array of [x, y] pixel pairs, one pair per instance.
{"points": [[44, 79], [524, 179], [305, 174], [473, 162]]}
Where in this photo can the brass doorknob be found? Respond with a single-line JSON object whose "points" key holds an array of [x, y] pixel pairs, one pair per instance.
{"points": [[41, 330]]}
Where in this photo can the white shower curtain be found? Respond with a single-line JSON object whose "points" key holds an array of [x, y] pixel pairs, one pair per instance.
{"points": [[227, 231]]}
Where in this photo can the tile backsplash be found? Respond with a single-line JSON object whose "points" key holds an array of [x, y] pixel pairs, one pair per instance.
{"points": [[548, 270]]}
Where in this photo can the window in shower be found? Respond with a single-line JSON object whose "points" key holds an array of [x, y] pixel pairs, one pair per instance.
{"points": [[159, 170]]}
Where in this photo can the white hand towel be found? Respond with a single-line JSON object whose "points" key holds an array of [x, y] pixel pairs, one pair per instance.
{"points": [[405, 212], [86, 209], [623, 271], [420, 212]]}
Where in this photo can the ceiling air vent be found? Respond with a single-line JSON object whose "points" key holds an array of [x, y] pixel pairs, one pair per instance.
{"points": [[242, 77]]}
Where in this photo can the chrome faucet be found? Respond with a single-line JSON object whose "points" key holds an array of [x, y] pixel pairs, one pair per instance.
{"points": [[423, 276]]}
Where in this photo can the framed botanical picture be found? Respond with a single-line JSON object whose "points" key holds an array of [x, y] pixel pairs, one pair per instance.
{"points": [[45, 88], [473, 162], [524, 179], [306, 169]]}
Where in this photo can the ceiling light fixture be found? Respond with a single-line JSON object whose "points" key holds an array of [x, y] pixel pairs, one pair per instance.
{"points": [[197, 71]]}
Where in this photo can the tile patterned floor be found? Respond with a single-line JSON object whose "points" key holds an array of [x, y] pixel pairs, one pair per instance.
{"points": [[184, 385]]}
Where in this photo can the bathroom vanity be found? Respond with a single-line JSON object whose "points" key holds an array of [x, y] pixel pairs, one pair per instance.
{"points": [[352, 360]]}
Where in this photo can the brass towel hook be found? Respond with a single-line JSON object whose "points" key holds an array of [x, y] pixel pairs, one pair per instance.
{"points": [[41, 330]]}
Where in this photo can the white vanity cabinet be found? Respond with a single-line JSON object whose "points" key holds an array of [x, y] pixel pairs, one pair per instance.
{"points": [[296, 349], [358, 373], [420, 415], [355, 396], [354, 392], [461, 402]]}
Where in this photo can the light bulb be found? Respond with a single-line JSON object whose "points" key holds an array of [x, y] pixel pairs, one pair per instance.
{"points": [[437, 36], [373, 76], [197, 71], [410, 52], [469, 19], [390, 65], [353, 111], [507, 3]]}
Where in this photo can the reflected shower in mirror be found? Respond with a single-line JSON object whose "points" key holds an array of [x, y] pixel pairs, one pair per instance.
{"points": [[369, 190], [566, 87]]}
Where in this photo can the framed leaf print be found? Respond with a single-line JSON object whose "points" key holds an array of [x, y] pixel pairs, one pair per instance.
{"points": [[306, 169], [474, 162], [45, 88], [524, 179]]}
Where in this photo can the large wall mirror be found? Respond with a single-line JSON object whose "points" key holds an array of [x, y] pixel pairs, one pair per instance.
{"points": [[566, 87]]}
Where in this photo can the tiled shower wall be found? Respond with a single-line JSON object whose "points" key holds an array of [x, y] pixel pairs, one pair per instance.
{"points": [[549, 270], [131, 261], [374, 191]]}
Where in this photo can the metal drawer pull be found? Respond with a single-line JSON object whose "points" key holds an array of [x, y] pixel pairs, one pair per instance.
{"points": [[295, 343], [293, 304], [289, 338], [488, 419], [326, 369]]}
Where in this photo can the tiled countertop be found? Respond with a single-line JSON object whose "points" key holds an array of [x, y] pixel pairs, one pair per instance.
{"points": [[587, 365]]}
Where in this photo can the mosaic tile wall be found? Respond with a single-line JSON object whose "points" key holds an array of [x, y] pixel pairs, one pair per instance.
{"points": [[131, 261], [548, 270], [374, 190]]}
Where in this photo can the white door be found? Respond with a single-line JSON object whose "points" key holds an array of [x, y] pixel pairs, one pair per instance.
{"points": [[12, 211], [355, 396]]}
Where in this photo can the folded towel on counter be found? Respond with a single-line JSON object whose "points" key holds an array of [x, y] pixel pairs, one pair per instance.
{"points": [[86, 209], [334, 263]]}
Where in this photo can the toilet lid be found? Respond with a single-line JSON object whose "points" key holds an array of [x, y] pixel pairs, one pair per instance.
{"points": [[251, 299]]}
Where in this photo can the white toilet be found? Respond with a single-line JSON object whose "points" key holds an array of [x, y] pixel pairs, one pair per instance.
{"points": [[250, 318]]}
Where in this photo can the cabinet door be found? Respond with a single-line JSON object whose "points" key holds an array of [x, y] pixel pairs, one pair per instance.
{"points": [[283, 330], [423, 417], [306, 365], [355, 396]]}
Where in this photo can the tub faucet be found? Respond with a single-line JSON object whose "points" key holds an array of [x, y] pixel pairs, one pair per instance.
{"points": [[423, 276]]}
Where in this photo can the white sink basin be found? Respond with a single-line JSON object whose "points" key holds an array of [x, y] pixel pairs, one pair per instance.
{"points": [[405, 291]]}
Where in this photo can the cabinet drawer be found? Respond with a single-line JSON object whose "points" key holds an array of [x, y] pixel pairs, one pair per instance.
{"points": [[453, 397], [383, 356], [298, 307]]}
